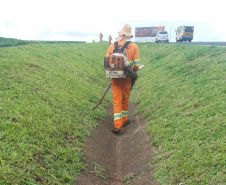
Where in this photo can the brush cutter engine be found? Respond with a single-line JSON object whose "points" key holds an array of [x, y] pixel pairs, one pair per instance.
{"points": [[115, 66]]}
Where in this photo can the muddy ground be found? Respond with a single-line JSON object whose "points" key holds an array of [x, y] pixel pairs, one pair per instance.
{"points": [[118, 159]]}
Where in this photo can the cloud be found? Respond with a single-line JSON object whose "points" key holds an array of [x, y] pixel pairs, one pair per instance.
{"points": [[77, 33]]}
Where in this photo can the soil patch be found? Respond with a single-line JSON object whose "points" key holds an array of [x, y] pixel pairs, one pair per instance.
{"points": [[118, 159]]}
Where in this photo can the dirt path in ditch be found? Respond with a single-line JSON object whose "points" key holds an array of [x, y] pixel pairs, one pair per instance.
{"points": [[113, 158]]}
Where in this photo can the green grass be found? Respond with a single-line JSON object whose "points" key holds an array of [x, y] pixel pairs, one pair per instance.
{"points": [[46, 100], [98, 170], [48, 91], [7, 42], [182, 92]]}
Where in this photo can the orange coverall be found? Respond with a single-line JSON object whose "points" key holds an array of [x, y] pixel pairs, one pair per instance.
{"points": [[121, 86]]}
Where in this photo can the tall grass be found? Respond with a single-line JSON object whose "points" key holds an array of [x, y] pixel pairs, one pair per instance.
{"points": [[47, 93], [182, 92]]}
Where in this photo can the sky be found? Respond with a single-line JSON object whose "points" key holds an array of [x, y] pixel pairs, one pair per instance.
{"points": [[83, 20]]}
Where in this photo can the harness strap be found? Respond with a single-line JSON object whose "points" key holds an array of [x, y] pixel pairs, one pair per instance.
{"points": [[116, 47], [116, 50], [126, 44]]}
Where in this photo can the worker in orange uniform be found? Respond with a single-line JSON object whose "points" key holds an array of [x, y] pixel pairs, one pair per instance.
{"points": [[121, 86], [109, 39], [101, 36]]}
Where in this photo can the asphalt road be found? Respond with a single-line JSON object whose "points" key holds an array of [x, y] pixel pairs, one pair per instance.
{"points": [[200, 43]]}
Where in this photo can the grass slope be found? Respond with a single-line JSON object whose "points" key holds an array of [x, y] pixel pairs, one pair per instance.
{"points": [[46, 98], [9, 42], [48, 91], [182, 92]]}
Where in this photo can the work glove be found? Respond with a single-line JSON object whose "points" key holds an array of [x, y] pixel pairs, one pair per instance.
{"points": [[132, 73]]}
